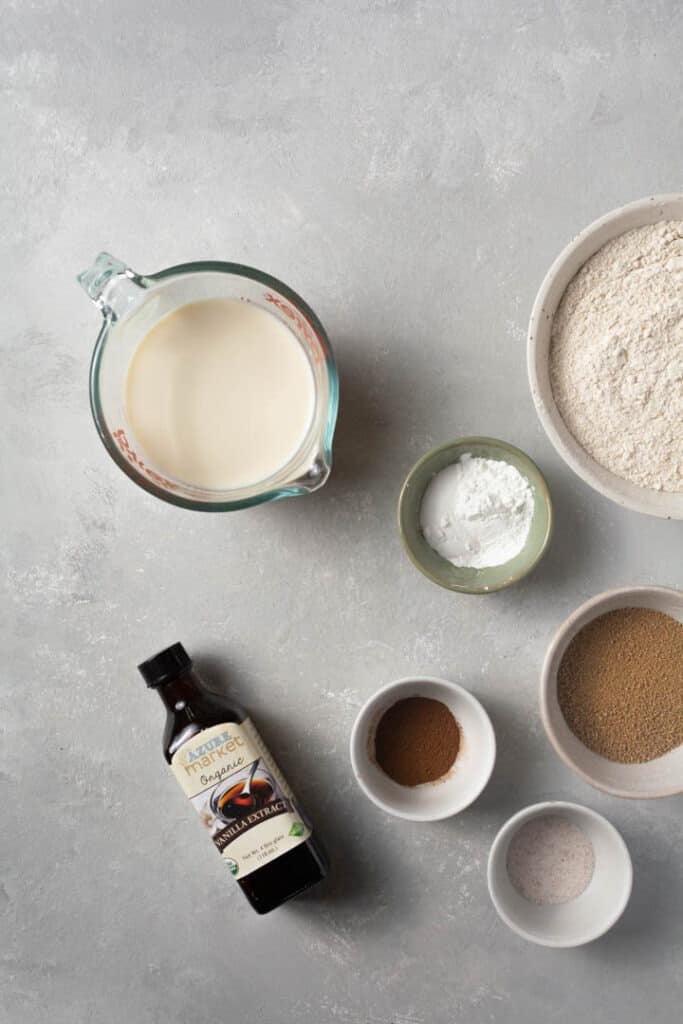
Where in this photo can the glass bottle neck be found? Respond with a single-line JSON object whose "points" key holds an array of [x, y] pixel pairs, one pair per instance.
{"points": [[176, 693]]}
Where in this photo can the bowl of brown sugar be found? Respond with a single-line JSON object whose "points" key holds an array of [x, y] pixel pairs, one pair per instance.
{"points": [[612, 692], [422, 748]]}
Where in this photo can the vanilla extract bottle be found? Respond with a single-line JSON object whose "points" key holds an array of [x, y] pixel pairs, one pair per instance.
{"points": [[244, 802]]}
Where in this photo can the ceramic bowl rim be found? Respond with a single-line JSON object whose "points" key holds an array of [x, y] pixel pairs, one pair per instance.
{"points": [[537, 810], [573, 454], [459, 442], [355, 741], [568, 628]]}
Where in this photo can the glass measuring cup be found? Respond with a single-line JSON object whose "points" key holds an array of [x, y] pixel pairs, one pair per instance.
{"points": [[131, 304]]}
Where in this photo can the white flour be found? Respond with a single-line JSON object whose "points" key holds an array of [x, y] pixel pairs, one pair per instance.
{"points": [[616, 360], [477, 512]]}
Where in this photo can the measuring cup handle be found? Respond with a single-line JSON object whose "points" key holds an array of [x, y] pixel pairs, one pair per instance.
{"points": [[113, 287]]}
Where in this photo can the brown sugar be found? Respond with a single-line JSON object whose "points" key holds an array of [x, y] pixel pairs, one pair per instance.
{"points": [[416, 741], [620, 685]]}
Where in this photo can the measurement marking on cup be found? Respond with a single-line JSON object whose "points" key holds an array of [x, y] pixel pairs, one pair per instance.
{"points": [[124, 444]]}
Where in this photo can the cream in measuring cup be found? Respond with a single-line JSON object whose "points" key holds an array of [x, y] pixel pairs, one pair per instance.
{"points": [[220, 394], [213, 385]]}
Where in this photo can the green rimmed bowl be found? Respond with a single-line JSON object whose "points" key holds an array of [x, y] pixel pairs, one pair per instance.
{"points": [[466, 580]]}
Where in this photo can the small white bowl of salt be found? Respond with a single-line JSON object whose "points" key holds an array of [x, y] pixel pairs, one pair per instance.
{"points": [[559, 874]]}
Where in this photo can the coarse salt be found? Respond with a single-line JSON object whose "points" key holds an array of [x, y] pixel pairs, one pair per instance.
{"points": [[550, 860]]}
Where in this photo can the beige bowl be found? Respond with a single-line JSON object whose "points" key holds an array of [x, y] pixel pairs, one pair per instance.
{"points": [[661, 777], [667, 505]]}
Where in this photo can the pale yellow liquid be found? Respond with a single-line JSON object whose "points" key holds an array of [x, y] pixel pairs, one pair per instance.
{"points": [[219, 394]]}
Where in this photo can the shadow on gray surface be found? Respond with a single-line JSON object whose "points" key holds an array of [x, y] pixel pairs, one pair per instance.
{"points": [[571, 553], [515, 768], [373, 432], [651, 928], [375, 389]]}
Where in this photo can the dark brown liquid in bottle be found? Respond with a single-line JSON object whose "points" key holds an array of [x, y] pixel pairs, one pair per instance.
{"points": [[192, 708]]}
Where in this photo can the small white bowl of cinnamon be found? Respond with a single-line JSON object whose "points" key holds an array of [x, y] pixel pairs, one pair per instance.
{"points": [[422, 748]]}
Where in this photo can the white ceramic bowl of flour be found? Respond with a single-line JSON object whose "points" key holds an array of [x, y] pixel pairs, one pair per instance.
{"points": [[584, 918], [665, 504]]}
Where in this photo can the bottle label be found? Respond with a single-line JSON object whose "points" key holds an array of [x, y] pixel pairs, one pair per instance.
{"points": [[240, 795]]}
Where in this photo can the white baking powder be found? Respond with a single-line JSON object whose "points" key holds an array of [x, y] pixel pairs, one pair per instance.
{"points": [[477, 512], [616, 358]]}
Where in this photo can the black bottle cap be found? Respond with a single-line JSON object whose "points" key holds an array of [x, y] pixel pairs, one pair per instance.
{"points": [[166, 665]]}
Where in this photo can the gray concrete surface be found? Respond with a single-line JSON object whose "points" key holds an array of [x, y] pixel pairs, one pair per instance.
{"points": [[411, 168]]}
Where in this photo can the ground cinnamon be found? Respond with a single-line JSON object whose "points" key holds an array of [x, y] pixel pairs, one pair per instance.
{"points": [[416, 741]]}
